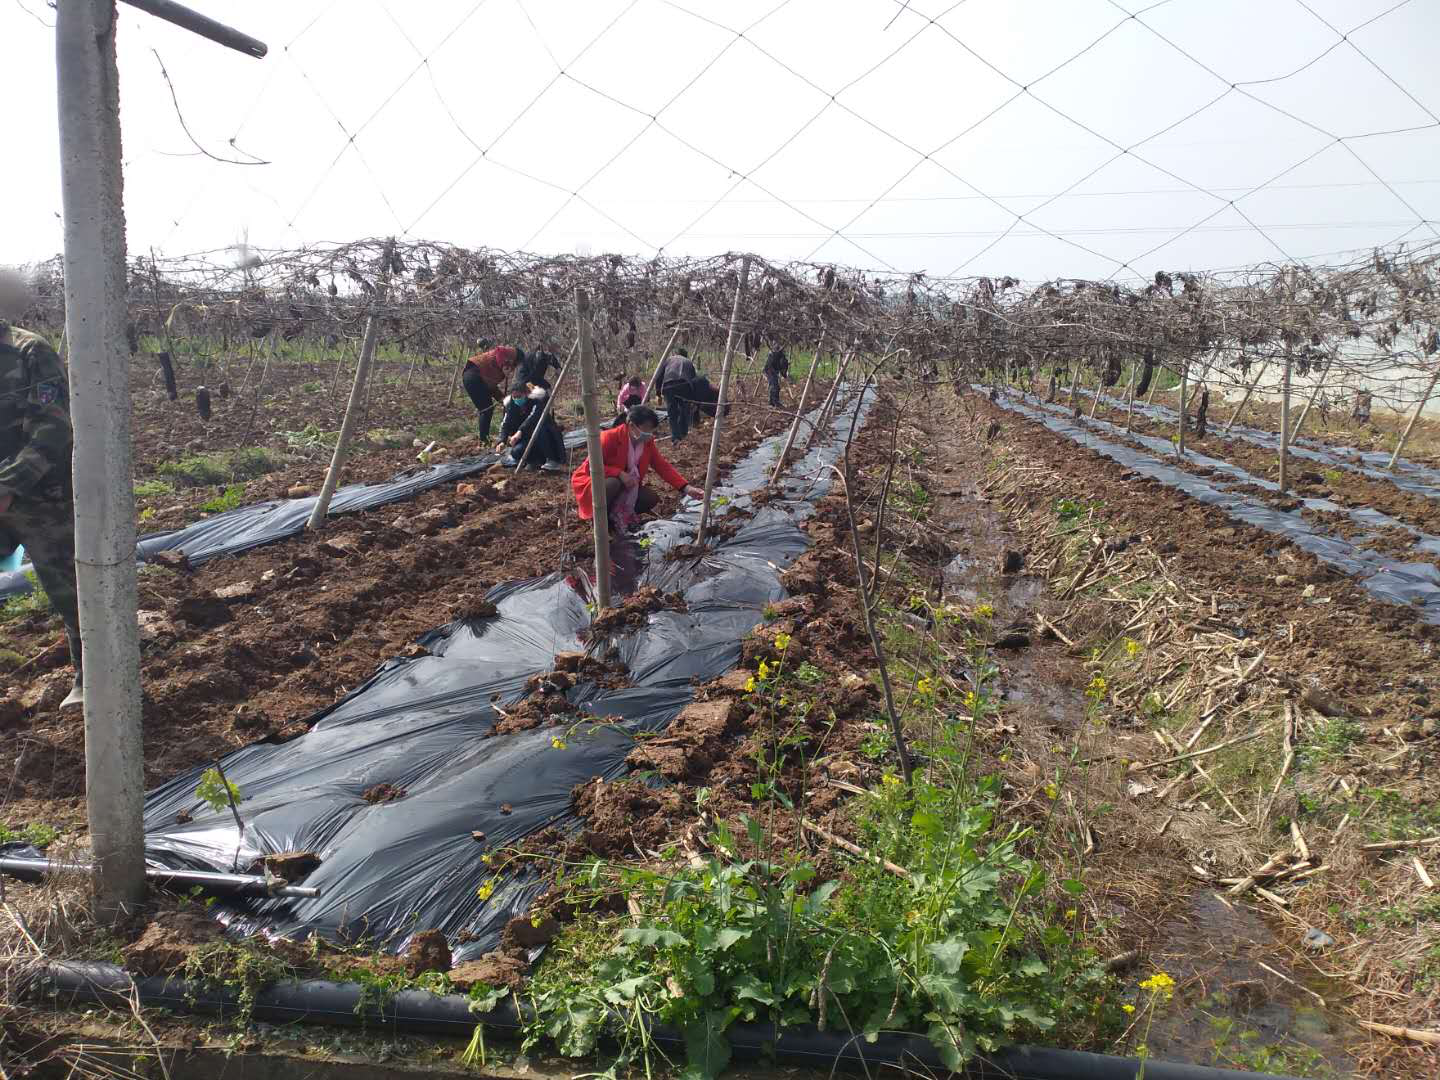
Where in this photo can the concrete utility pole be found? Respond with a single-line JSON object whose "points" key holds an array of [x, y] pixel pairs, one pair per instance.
{"points": [[95, 316]]}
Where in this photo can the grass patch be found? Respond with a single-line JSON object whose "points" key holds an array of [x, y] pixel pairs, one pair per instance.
{"points": [[229, 499], [444, 431], [35, 602], [225, 467], [36, 834], [153, 488]]}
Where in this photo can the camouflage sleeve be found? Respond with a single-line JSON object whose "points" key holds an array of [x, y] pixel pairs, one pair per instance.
{"points": [[45, 420]]}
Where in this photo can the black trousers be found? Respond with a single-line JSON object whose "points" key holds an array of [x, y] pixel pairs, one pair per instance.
{"points": [[773, 378], [479, 391], [549, 445], [678, 410]]}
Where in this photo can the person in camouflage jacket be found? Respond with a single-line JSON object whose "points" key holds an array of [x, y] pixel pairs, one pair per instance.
{"points": [[37, 502]]}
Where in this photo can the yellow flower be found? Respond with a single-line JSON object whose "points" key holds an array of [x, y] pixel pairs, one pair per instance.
{"points": [[784, 701], [1128, 1007], [1133, 648], [1096, 690], [486, 890], [1070, 913], [558, 743], [891, 780], [764, 670], [972, 700], [1005, 757], [984, 611], [924, 685], [1160, 984], [782, 641], [1052, 791], [750, 685]]}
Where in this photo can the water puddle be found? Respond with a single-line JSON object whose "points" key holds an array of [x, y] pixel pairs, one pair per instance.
{"points": [[1230, 1011]]}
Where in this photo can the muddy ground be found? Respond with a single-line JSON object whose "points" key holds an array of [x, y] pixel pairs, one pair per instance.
{"points": [[251, 646]]}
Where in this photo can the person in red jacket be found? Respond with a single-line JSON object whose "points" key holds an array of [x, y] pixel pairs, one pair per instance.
{"points": [[629, 453], [485, 376]]}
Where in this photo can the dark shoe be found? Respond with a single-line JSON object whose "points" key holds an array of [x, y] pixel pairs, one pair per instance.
{"points": [[554, 466]]}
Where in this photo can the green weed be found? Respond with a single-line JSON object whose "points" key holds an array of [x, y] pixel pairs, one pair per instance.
{"points": [[36, 834], [213, 470], [215, 791], [229, 499], [35, 602], [153, 488]]}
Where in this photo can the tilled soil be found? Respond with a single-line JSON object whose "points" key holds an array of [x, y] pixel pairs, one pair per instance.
{"points": [[252, 646]]}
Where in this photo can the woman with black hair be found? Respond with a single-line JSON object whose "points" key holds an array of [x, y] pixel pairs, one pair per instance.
{"points": [[629, 453]]}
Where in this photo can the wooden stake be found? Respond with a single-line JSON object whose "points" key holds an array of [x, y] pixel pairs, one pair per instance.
{"points": [[799, 410], [1259, 371], [1130, 401], [825, 409], [347, 426], [665, 352], [1414, 418], [1319, 384], [713, 467], [1180, 439], [455, 376], [1285, 424], [589, 397]]}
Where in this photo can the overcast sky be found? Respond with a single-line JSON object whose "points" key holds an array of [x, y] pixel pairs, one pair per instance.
{"points": [[1038, 138]]}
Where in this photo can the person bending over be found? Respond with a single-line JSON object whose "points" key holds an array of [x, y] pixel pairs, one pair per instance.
{"points": [[632, 393], [673, 381], [485, 376], [525, 415], [776, 365], [37, 499], [629, 453]]}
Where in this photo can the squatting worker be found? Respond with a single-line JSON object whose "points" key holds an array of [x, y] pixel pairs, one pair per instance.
{"points": [[37, 500], [776, 365], [485, 376], [674, 380], [629, 453], [525, 415]]}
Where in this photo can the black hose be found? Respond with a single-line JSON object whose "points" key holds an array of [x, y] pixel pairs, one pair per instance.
{"points": [[318, 1001]]}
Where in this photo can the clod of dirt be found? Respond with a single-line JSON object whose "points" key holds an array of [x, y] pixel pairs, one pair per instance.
{"points": [[478, 836], [492, 969], [691, 745], [521, 933], [632, 613], [506, 808], [171, 560], [569, 661], [382, 793], [554, 682], [1011, 562], [182, 817], [470, 609], [1324, 705], [168, 942], [620, 816], [300, 491], [466, 491], [336, 549], [249, 718], [1015, 638], [241, 590], [203, 612], [291, 866], [427, 951]]}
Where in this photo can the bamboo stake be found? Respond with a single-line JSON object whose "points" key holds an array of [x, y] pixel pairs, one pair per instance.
{"points": [[1285, 424], [1429, 1038], [1180, 439], [1414, 418], [1130, 401], [1319, 385], [854, 849], [665, 352], [712, 468], [799, 410], [455, 376], [347, 426], [1249, 390], [590, 399], [824, 417]]}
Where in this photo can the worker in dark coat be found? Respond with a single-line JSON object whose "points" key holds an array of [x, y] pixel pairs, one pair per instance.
{"points": [[777, 364], [37, 499]]}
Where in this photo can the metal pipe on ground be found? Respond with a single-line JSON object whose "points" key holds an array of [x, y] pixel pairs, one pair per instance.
{"points": [[415, 1011], [252, 884]]}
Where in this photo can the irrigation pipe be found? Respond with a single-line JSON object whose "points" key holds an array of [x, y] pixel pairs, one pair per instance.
{"points": [[208, 881], [318, 1001]]}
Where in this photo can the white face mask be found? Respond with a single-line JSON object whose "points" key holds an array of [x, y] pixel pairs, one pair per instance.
{"points": [[537, 394], [640, 437]]}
